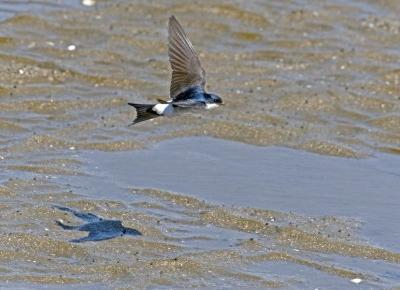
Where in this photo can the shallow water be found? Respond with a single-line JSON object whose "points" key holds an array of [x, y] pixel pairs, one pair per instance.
{"points": [[319, 76], [268, 178]]}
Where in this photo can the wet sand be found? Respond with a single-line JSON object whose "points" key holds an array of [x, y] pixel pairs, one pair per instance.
{"points": [[212, 213], [297, 77], [268, 178]]}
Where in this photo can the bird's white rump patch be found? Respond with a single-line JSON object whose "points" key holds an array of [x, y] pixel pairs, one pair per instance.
{"points": [[163, 109], [211, 106]]}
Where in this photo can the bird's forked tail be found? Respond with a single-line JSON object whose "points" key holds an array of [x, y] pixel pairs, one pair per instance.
{"points": [[143, 112]]}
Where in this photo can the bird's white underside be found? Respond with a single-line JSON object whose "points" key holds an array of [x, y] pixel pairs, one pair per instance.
{"points": [[211, 106], [168, 109], [163, 109]]}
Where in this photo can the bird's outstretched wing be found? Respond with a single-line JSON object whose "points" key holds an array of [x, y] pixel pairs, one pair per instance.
{"points": [[187, 71]]}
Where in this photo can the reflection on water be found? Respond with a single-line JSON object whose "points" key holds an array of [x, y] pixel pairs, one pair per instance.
{"points": [[320, 76], [99, 229]]}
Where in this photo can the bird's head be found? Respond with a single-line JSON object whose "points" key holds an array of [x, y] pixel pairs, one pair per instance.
{"points": [[214, 99]]}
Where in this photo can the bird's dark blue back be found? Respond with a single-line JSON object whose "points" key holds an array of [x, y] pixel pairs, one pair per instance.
{"points": [[195, 93]]}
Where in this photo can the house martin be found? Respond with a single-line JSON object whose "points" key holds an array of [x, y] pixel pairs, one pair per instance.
{"points": [[187, 91]]}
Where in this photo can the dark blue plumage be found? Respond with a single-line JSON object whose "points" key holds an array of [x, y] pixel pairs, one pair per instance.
{"points": [[195, 97]]}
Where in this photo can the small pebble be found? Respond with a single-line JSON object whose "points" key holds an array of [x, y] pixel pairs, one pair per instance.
{"points": [[88, 2], [71, 47], [356, 280]]}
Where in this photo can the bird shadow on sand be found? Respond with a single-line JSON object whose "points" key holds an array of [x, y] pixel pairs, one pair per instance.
{"points": [[99, 229]]}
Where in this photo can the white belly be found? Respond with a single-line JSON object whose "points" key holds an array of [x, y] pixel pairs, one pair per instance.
{"points": [[163, 109], [211, 106]]}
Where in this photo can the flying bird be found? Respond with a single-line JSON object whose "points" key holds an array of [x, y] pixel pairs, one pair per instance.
{"points": [[187, 91]]}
